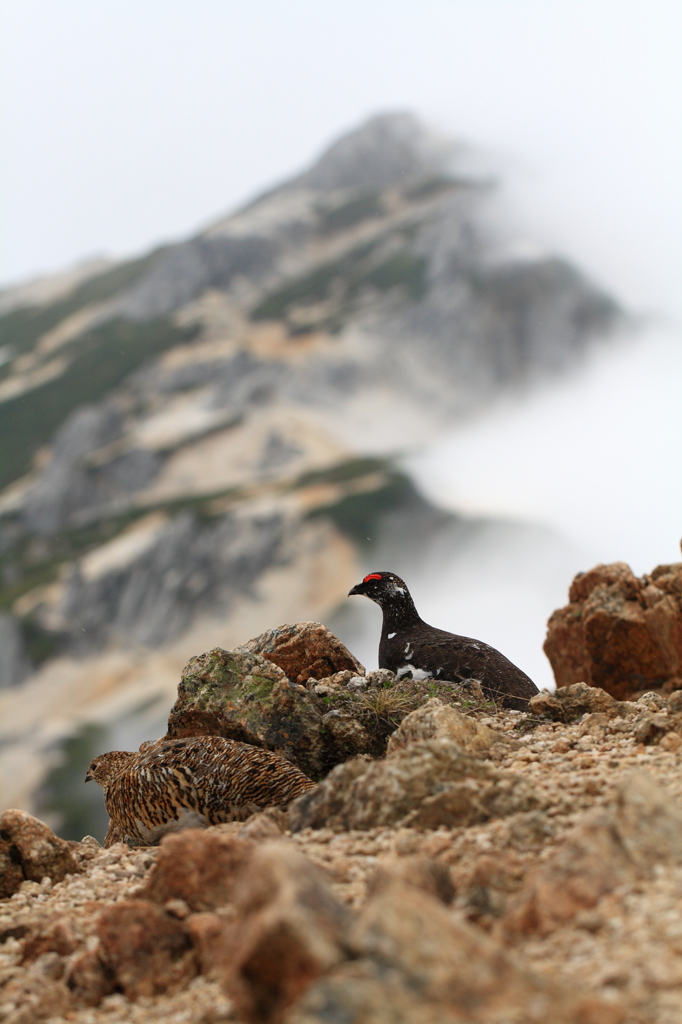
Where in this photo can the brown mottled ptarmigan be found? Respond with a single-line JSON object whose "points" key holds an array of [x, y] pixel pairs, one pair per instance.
{"points": [[169, 785]]}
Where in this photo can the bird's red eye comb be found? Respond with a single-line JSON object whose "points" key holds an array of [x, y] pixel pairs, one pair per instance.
{"points": [[372, 576]]}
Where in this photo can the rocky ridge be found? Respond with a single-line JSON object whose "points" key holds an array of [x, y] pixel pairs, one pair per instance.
{"points": [[488, 866]]}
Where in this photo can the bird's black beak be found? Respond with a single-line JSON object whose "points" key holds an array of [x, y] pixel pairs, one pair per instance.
{"points": [[89, 776], [357, 589]]}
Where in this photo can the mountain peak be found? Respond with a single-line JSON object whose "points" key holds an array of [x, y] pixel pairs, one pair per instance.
{"points": [[389, 149]]}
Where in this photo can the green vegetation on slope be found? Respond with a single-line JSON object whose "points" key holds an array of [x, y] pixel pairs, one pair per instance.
{"points": [[352, 212], [359, 515], [102, 357], [341, 472], [21, 328], [342, 280]]}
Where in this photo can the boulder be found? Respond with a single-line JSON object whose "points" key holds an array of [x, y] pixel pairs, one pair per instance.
{"points": [[146, 950], [417, 963], [306, 650], [570, 702], [436, 720], [29, 849], [242, 696], [198, 867], [427, 784], [641, 828], [620, 632], [11, 875], [288, 930]]}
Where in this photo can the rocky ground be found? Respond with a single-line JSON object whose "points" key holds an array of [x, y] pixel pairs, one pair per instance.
{"points": [[542, 882]]}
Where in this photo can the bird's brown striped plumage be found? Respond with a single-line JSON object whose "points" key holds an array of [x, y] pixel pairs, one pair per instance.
{"points": [[202, 780]]}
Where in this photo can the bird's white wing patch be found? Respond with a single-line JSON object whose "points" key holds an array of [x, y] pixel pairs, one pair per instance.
{"points": [[416, 673], [391, 635]]}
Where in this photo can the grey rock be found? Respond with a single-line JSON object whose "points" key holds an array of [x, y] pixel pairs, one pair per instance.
{"points": [[190, 567], [15, 665], [188, 269], [389, 149]]}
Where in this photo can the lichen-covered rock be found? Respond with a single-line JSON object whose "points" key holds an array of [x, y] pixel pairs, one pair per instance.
{"points": [[30, 850], [304, 650], [436, 720], [620, 632], [640, 828], [570, 702], [242, 696], [427, 784]]}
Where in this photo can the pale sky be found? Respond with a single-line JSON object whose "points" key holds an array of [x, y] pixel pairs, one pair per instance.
{"points": [[129, 122], [125, 123]]}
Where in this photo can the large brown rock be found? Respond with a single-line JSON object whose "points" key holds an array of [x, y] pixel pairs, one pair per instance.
{"points": [[198, 867], [29, 849], [427, 784], [305, 650], [642, 827], [145, 949], [418, 963], [11, 875], [620, 632], [288, 930]]}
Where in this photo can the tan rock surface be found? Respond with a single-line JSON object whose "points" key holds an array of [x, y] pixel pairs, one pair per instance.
{"points": [[29, 850], [619, 960], [438, 721], [425, 784]]}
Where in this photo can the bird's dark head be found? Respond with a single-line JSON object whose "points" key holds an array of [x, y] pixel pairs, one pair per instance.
{"points": [[106, 767], [384, 588]]}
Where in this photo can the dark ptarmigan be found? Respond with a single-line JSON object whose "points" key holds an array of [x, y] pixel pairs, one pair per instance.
{"points": [[409, 646], [169, 785]]}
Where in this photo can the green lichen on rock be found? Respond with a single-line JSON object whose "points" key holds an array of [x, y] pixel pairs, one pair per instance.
{"points": [[255, 694], [219, 676], [242, 696]]}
